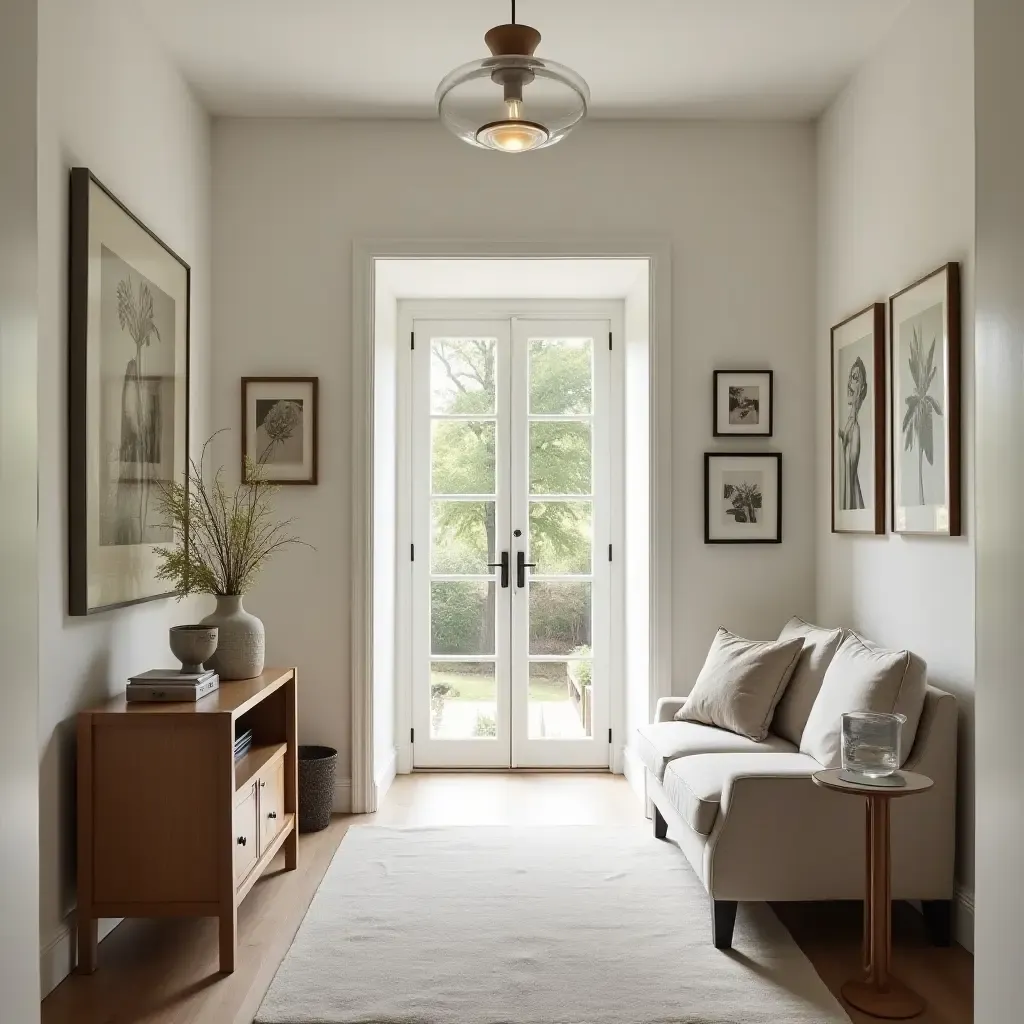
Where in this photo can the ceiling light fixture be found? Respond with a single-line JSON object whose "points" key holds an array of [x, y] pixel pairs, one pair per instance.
{"points": [[512, 101]]}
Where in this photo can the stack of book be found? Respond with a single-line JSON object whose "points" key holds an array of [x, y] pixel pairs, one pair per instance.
{"points": [[243, 742], [171, 684]]}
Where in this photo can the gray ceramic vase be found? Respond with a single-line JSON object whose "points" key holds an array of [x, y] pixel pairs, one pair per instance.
{"points": [[241, 641]]}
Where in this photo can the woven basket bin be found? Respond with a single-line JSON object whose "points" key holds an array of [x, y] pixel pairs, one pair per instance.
{"points": [[316, 787]]}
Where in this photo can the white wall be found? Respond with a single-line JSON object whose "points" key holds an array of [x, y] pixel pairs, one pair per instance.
{"points": [[999, 397], [895, 201], [19, 684], [290, 196], [108, 100]]}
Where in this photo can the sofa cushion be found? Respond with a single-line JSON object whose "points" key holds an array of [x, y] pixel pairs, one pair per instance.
{"points": [[695, 784], [662, 742], [820, 646], [740, 683], [864, 677]]}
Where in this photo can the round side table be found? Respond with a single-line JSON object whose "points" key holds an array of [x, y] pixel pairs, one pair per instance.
{"points": [[878, 993]]}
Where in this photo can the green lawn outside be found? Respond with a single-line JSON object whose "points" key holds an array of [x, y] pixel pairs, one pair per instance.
{"points": [[473, 687]]}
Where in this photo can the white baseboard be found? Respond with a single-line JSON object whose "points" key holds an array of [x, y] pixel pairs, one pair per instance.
{"points": [[963, 917], [386, 775], [59, 957], [636, 776], [342, 795]]}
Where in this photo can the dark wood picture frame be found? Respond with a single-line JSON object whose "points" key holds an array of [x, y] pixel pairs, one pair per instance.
{"points": [[80, 186], [777, 457], [314, 385], [953, 333], [770, 374], [877, 312]]}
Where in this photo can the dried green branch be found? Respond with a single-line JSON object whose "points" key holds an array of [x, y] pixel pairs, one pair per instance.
{"points": [[222, 539]]}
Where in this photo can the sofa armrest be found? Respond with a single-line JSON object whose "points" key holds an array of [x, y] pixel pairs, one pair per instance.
{"points": [[667, 708]]}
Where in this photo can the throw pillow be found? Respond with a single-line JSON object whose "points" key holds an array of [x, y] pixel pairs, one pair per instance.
{"points": [[820, 646], [864, 677], [740, 684]]}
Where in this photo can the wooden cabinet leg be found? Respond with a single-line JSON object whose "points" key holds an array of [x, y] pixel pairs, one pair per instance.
{"points": [[88, 942], [291, 849], [228, 938]]}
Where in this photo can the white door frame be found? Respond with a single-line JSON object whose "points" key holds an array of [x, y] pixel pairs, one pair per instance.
{"points": [[365, 253]]}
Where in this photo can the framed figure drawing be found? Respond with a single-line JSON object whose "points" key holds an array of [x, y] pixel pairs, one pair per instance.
{"points": [[128, 383], [279, 427], [858, 422], [743, 403], [924, 328], [742, 498]]}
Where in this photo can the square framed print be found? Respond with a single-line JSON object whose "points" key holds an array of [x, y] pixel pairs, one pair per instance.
{"points": [[742, 498], [279, 427], [128, 398], [924, 347], [743, 403], [858, 422]]}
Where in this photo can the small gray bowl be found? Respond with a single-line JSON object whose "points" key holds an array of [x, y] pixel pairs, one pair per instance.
{"points": [[192, 645]]}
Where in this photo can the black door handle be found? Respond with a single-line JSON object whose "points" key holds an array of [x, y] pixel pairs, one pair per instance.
{"points": [[504, 569], [521, 566]]}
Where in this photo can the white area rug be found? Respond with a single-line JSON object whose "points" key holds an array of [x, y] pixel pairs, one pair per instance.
{"points": [[574, 925]]}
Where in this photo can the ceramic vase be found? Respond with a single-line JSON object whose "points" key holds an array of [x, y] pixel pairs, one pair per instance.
{"points": [[241, 640]]}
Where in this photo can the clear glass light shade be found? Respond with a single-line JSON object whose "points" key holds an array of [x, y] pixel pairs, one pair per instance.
{"points": [[512, 104]]}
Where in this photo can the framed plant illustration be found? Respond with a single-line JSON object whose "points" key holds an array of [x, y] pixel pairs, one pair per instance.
{"points": [[924, 326], [742, 498], [858, 422], [744, 403], [279, 427], [128, 396]]}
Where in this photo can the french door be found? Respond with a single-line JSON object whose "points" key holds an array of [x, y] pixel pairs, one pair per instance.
{"points": [[511, 543]]}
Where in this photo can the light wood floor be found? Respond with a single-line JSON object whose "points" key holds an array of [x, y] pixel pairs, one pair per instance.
{"points": [[165, 972]]}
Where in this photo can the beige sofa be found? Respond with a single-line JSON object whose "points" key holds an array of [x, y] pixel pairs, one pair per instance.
{"points": [[754, 826]]}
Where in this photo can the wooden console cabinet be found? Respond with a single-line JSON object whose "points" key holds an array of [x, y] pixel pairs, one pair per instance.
{"points": [[169, 825]]}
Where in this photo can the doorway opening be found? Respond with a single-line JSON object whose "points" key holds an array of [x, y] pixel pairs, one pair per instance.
{"points": [[514, 440]]}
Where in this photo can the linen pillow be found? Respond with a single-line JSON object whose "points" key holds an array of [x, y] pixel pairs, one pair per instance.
{"points": [[820, 646], [740, 683], [864, 677]]}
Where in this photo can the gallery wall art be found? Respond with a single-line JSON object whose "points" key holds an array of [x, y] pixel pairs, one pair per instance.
{"points": [[924, 339], [743, 403], [742, 498], [858, 422], [279, 427], [128, 395]]}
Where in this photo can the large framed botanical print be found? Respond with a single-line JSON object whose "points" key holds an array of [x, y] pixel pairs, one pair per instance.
{"points": [[924, 328], [858, 422], [128, 382]]}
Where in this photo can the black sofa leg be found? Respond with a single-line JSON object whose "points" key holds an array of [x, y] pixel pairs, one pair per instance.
{"points": [[938, 919], [660, 824], [723, 920]]}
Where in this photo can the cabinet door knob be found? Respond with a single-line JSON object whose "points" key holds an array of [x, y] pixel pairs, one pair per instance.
{"points": [[272, 814], [241, 840]]}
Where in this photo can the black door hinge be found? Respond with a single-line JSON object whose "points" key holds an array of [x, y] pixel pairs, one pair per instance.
{"points": [[609, 552], [609, 735], [412, 552], [609, 341], [412, 340], [412, 735]]}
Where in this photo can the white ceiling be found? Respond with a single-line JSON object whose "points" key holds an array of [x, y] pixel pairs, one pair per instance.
{"points": [[642, 58]]}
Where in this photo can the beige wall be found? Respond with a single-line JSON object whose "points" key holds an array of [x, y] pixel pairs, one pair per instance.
{"points": [[290, 196], [19, 683], [895, 201], [999, 28], [108, 100]]}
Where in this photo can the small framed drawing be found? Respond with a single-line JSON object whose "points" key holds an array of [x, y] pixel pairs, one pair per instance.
{"points": [[128, 380], [279, 427], [743, 403], [742, 498], [858, 422], [924, 328]]}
